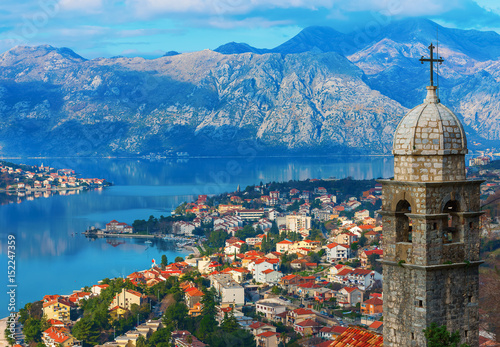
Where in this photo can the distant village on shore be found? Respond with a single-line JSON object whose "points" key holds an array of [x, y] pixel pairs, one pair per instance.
{"points": [[28, 182]]}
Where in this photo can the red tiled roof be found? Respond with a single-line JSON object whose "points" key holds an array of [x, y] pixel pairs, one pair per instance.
{"points": [[376, 325], [374, 301], [195, 292], [57, 334], [374, 251], [350, 289], [353, 337], [258, 325], [338, 329], [267, 271], [361, 272], [308, 323], [267, 334], [133, 292], [343, 272], [301, 311]]}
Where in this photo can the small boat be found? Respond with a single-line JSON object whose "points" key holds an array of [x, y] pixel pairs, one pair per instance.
{"points": [[148, 242]]}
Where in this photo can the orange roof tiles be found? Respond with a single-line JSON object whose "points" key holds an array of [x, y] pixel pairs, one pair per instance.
{"points": [[374, 301], [344, 272], [308, 323], [353, 337], [267, 334], [350, 289], [301, 311], [376, 325]]}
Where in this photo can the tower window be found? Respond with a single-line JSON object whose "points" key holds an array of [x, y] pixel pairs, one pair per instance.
{"points": [[451, 230], [413, 336], [465, 333], [420, 303], [403, 223]]}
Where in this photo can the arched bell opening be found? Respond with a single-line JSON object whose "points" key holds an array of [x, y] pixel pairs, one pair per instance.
{"points": [[403, 222], [452, 226]]}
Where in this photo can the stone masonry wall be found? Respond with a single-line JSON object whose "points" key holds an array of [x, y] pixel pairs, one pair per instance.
{"points": [[414, 298], [431, 168]]}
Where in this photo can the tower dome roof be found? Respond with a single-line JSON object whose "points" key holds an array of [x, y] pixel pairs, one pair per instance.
{"points": [[430, 129]]}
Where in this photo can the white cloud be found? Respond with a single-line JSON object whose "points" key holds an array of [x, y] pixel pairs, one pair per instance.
{"points": [[87, 6], [218, 7], [255, 22]]}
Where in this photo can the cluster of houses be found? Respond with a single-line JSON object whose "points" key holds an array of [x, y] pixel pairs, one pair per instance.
{"points": [[301, 295], [43, 180]]}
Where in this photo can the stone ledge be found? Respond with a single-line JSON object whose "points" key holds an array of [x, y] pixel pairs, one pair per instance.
{"points": [[430, 184], [430, 267]]}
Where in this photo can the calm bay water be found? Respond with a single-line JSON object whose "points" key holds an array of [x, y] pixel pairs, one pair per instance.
{"points": [[52, 257]]}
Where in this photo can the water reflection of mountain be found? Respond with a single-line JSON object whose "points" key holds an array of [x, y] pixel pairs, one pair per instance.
{"points": [[45, 227]]}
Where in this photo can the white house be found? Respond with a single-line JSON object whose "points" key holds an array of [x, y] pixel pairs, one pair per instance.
{"points": [[260, 265], [295, 223], [183, 228], [335, 251], [270, 307], [233, 248], [271, 276], [283, 246], [360, 215], [363, 279], [356, 231], [229, 290]]}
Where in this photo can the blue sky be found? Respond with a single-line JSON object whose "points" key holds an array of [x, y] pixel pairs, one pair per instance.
{"points": [[148, 28]]}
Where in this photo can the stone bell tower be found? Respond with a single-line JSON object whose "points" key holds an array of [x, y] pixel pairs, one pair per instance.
{"points": [[430, 229]]}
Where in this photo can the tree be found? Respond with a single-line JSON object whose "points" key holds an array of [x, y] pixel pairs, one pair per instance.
{"points": [[177, 312], [274, 229], [229, 324], [315, 257], [32, 330], [161, 337], [87, 331], [141, 342], [438, 336], [208, 324], [10, 340], [179, 259], [244, 248], [354, 246], [362, 241], [164, 261], [372, 260]]}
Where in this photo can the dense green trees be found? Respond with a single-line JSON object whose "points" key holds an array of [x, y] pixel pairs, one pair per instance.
{"points": [[33, 329], [246, 231], [439, 336], [10, 340], [217, 239], [87, 331]]}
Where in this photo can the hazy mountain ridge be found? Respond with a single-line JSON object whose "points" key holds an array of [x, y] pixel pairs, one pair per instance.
{"points": [[302, 96]]}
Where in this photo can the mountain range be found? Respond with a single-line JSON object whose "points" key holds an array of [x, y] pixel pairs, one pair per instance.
{"points": [[321, 92]]}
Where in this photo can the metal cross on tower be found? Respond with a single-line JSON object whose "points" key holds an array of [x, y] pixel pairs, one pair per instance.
{"points": [[432, 60]]}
